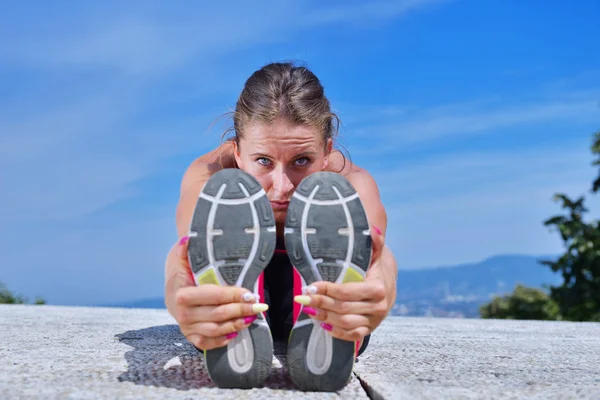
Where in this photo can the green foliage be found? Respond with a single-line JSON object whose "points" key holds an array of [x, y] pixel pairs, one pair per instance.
{"points": [[7, 297], [523, 303], [579, 295], [596, 151]]}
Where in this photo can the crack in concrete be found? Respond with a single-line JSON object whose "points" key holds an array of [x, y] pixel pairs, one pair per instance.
{"points": [[369, 391]]}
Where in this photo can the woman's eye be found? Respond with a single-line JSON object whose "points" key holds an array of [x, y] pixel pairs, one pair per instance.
{"points": [[302, 161], [263, 161]]}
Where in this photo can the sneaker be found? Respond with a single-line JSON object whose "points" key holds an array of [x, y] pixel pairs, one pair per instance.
{"points": [[328, 239], [232, 239]]}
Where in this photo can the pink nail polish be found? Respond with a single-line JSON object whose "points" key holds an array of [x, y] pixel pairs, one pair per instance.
{"points": [[377, 230], [231, 335], [183, 240], [250, 319], [309, 310], [327, 327]]}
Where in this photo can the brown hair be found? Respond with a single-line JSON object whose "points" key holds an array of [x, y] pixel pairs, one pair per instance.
{"points": [[284, 90]]}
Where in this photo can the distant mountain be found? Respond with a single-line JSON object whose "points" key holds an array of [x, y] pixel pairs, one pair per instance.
{"points": [[154, 302], [459, 290], [452, 291]]}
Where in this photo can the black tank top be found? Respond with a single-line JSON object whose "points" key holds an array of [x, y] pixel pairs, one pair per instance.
{"points": [[279, 293]]}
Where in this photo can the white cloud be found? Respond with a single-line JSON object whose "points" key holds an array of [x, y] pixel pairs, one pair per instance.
{"points": [[469, 206], [463, 171], [366, 12], [417, 127], [149, 39], [46, 129]]}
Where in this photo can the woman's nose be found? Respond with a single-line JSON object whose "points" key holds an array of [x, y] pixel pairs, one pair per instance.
{"points": [[282, 182]]}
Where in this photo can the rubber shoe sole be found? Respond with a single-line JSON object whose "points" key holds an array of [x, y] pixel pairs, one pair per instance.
{"points": [[232, 239], [328, 239]]}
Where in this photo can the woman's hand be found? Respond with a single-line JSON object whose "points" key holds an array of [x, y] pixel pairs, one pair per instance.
{"points": [[351, 311], [209, 316]]}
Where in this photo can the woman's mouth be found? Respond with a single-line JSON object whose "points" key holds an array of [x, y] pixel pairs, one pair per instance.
{"points": [[279, 205]]}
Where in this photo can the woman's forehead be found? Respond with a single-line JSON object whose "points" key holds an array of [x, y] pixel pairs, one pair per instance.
{"points": [[281, 133]]}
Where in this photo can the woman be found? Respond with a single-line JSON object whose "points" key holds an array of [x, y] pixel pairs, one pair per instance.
{"points": [[278, 194]]}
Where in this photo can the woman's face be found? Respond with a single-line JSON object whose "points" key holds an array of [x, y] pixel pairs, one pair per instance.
{"points": [[279, 156]]}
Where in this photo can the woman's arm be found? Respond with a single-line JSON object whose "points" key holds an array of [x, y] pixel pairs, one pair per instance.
{"points": [[194, 179], [192, 183], [383, 267]]}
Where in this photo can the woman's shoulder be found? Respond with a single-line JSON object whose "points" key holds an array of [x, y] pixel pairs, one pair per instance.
{"points": [[203, 167], [360, 178], [368, 191], [341, 164], [195, 176]]}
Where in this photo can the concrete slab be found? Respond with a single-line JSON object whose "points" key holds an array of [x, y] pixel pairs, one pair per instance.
{"points": [[51, 352], [95, 353], [434, 358]]}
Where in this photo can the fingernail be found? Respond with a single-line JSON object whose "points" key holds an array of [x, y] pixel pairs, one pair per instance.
{"points": [[377, 230], [183, 240], [248, 297], [259, 307], [327, 327], [304, 300], [309, 290], [231, 335], [309, 311], [249, 320]]}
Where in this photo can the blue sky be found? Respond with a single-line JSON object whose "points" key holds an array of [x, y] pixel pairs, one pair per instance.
{"points": [[469, 114]]}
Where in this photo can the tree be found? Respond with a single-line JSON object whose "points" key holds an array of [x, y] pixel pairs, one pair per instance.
{"points": [[523, 303], [7, 297], [579, 295]]}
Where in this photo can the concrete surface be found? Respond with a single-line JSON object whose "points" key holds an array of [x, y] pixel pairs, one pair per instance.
{"points": [[51, 352], [94, 353], [435, 358]]}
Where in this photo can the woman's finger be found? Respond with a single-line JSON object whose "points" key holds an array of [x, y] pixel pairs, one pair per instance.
{"points": [[327, 303], [182, 249], [215, 329], [207, 343], [206, 295], [221, 313], [343, 321], [370, 290], [353, 335]]}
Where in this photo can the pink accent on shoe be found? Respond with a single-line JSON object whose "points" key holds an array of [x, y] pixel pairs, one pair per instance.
{"points": [[250, 319], [231, 335], [183, 240], [377, 230], [309, 311], [297, 292], [261, 286], [327, 327]]}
